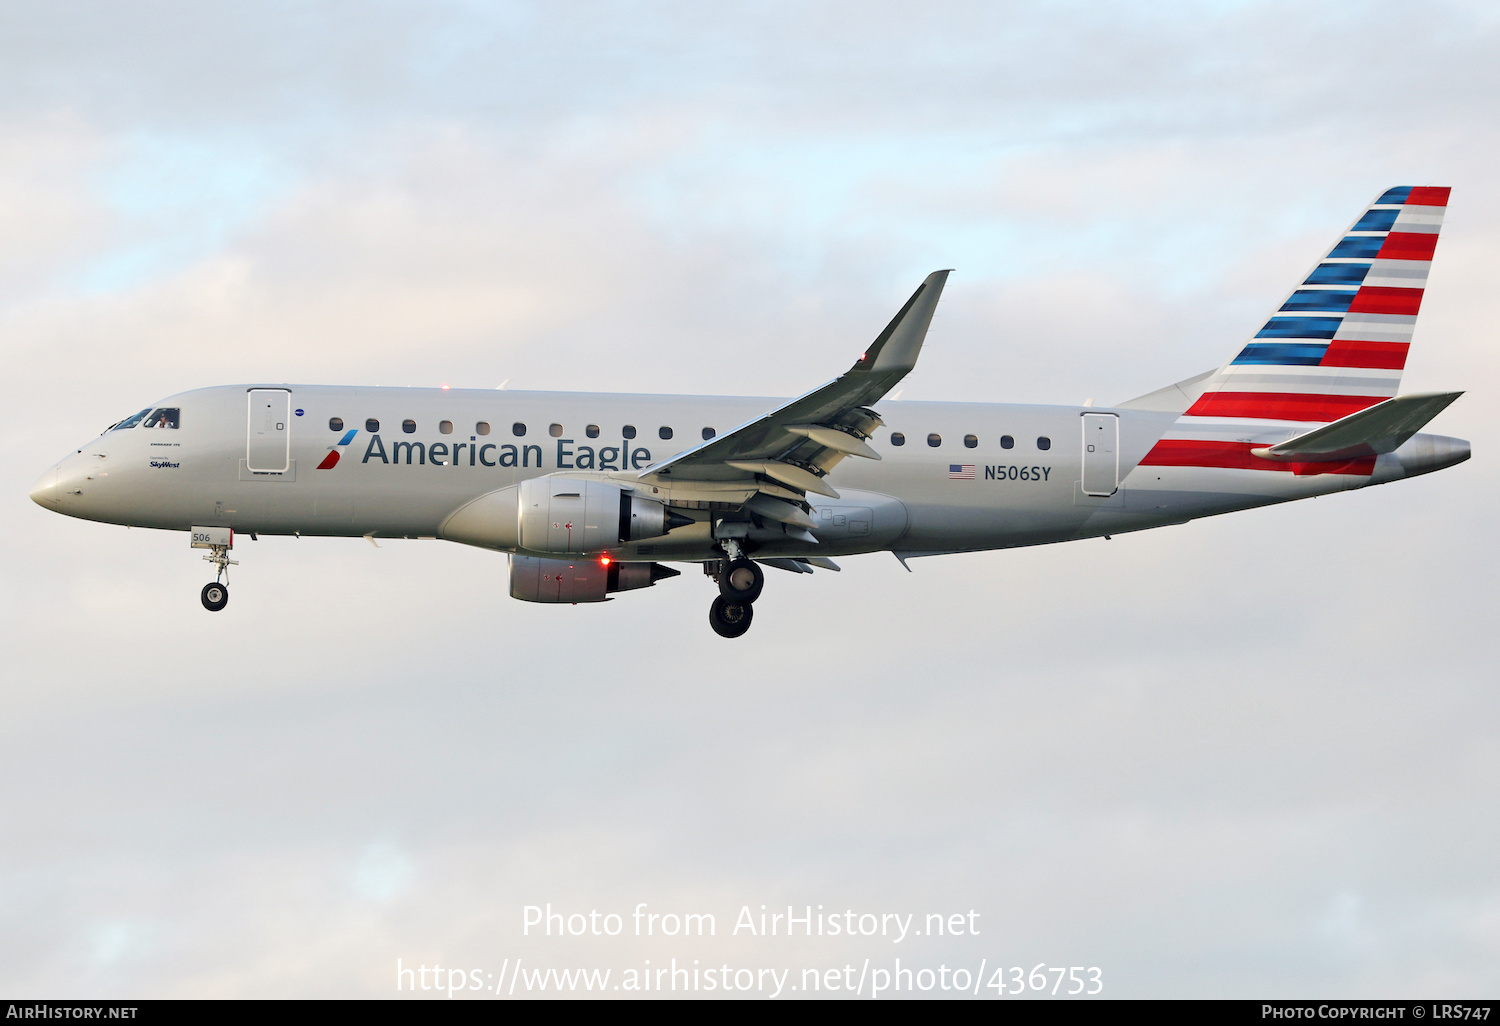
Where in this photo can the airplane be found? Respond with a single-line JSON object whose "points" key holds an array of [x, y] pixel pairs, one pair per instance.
{"points": [[595, 494]]}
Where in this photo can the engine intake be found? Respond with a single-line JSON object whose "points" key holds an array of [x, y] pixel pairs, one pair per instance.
{"points": [[534, 579], [561, 514]]}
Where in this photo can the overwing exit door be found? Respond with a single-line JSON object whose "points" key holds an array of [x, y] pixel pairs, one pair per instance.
{"points": [[269, 436], [1101, 458]]}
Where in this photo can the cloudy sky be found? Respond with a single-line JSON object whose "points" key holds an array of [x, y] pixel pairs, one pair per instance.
{"points": [[1250, 756]]}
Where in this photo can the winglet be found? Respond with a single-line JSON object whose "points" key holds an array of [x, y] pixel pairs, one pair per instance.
{"points": [[897, 346]]}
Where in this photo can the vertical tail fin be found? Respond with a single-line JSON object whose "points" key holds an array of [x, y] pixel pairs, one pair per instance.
{"points": [[1336, 346], [1338, 343]]}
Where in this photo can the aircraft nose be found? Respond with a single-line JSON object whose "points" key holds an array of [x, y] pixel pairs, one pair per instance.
{"points": [[61, 486], [45, 491]]}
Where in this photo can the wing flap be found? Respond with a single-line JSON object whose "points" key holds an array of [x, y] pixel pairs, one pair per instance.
{"points": [[801, 564], [796, 566], [787, 474], [837, 439], [780, 511]]}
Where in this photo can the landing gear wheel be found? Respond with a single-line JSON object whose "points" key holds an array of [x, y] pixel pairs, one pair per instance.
{"points": [[215, 596], [730, 619], [742, 581]]}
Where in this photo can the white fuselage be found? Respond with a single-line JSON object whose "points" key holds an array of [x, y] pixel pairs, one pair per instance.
{"points": [[934, 493]]}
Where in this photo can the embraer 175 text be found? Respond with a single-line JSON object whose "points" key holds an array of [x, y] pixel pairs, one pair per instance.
{"points": [[593, 494]]}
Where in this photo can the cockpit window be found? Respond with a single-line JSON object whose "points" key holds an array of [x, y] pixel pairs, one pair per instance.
{"points": [[130, 422], [166, 417]]}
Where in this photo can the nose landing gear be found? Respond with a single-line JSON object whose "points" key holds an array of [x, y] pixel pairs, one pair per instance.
{"points": [[218, 541], [215, 596]]}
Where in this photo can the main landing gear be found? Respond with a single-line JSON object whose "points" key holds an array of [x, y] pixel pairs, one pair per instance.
{"points": [[215, 595], [730, 619], [740, 583]]}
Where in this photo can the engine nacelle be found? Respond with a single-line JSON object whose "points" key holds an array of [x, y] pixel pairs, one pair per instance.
{"points": [[561, 514], [533, 579]]}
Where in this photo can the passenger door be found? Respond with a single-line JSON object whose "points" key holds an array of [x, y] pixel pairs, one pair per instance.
{"points": [[1101, 460], [269, 437]]}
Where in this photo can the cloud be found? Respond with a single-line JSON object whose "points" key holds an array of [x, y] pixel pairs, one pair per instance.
{"points": [[1248, 755]]}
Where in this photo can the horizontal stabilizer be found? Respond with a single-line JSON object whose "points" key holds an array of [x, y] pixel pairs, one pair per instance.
{"points": [[1381, 428]]}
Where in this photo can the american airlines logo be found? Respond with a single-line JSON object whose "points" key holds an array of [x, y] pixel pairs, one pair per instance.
{"points": [[332, 459]]}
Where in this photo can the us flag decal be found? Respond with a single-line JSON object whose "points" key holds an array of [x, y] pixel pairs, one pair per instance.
{"points": [[957, 472]]}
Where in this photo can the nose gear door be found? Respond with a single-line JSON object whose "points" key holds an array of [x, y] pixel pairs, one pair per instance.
{"points": [[269, 437]]}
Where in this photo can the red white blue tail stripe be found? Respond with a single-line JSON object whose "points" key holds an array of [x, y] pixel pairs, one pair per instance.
{"points": [[1337, 344]]}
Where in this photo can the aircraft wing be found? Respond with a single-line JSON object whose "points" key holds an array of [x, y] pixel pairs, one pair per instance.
{"points": [[1381, 428], [790, 450]]}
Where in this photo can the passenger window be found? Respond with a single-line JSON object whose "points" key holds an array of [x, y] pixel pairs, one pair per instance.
{"points": [[409, 426], [592, 430], [971, 441], [372, 425], [708, 433], [335, 423], [1044, 443], [518, 429], [664, 433], [482, 428], [628, 431], [934, 439], [445, 426], [162, 418], [555, 430], [897, 438], [132, 421], [1007, 442]]}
